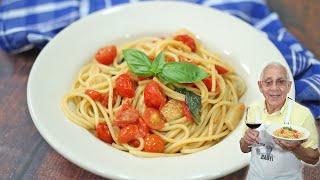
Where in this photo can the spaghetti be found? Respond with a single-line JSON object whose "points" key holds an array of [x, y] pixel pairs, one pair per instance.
{"points": [[153, 115], [287, 132]]}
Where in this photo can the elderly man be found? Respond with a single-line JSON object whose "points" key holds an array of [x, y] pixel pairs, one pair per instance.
{"points": [[271, 158]]}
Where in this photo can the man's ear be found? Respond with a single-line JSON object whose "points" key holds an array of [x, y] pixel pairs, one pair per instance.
{"points": [[289, 85], [260, 86]]}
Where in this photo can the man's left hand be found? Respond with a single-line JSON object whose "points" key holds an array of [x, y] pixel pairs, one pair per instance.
{"points": [[288, 146]]}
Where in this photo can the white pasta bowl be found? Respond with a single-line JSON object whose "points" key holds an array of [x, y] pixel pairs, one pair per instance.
{"points": [[305, 133], [58, 64]]}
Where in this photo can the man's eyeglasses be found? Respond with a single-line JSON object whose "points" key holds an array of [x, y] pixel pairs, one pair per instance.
{"points": [[278, 82]]}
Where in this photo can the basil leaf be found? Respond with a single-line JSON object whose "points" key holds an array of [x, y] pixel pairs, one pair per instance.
{"points": [[194, 105], [181, 90], [176, 72], [193, 102], [163, 79], [158, 63], [138, 62]]}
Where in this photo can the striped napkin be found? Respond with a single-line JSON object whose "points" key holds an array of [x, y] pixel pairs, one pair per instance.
{"points": [[25, 24]]}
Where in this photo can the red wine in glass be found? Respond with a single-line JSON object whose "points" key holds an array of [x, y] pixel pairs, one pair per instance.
{"points": [[253, 125]]}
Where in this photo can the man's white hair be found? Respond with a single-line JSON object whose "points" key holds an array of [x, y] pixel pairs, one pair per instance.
{"points": [[275, 64]]}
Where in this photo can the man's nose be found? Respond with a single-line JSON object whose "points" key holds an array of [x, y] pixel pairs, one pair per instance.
{"points": [[274, 86]]}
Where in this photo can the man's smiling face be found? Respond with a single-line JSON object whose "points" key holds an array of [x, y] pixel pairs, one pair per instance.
{"points": [[274, 85]]}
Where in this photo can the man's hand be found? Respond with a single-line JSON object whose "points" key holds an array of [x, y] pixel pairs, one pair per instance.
{"points": [[288, 146], [250, 137], [308, 155]]}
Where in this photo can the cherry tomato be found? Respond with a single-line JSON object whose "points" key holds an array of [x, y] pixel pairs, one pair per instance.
{"points": [[217, 87], [208, 82], [106, 55], [125, 87], [220, 69], [128, 133], [101, 97], [187, 40], [143, 132], [153, 118], [103, 133], [153, 95], [187, 112], [154, 143], [95, 95], [126, 115], [105, 97]]}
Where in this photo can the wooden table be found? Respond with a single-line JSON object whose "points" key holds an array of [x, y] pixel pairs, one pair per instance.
{"points": [[25, 155]]}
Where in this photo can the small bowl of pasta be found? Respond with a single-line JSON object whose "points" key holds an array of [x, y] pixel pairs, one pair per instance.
{"points": [[288, 133]]}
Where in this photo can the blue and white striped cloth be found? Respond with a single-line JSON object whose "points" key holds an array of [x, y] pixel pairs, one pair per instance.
{"points": [[26, 24]]}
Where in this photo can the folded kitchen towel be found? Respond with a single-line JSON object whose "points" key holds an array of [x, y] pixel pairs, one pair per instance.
{"points": [[25, 24]]}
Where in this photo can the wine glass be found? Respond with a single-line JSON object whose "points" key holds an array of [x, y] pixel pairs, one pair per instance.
{"points": [[252, 125]]}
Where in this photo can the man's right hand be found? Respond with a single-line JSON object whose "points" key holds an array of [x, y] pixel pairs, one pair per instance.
{"points": [[250, 137]]}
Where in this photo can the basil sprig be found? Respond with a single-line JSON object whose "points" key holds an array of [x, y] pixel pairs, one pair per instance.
{"points": [[193, 102], [172, 72], [138, 62]]}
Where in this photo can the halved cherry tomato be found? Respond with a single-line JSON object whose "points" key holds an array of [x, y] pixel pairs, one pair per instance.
{"points": [[154, 143], [128, 133], [105, 97], [208, 82], [217, 87], [101, 97], [143, 132], [153, 95], [172, 110], [187, 40], [125, 87], [103, 133], [153, 118], [220, 69], [187, 112], [95, 95], [126, 115], [106, 55]]}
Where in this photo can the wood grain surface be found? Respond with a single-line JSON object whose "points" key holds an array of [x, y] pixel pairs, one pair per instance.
{"points": [[24, 154]]}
